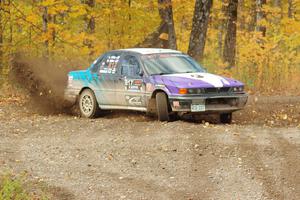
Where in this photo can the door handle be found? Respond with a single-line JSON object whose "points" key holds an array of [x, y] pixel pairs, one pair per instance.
{"points": [[121, 78]]}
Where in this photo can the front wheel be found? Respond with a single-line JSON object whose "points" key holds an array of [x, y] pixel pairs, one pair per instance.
{"points": [[88, 104], [226, 118], [162, 107]]}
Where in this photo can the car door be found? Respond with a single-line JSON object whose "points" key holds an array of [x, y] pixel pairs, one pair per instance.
{"points": [[105, 77], [130, 89]]}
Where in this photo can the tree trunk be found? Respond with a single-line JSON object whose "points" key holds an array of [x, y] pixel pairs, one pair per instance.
{"points": [[10, 39], [252, 23], [221, 28], [242, 9], [260, 15], [129, 17], [1, 40], [166, 13], [164, 36], [199, 28], [90, 26], [52, 19], [290, 9], [277, 3], [90, 22], [45, 18], [230, 38]]}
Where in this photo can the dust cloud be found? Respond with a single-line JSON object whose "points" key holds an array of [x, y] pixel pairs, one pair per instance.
{"points": [[44, 80]]}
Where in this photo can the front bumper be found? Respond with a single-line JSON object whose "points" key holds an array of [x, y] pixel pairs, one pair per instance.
{"points": [[209, 103]]}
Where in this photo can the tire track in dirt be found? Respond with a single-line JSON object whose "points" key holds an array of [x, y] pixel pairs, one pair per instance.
{"points": [[168, 161], [289, 157], [266, 158], [231, 179], [255, 162], [130, 156], [11, 160]]}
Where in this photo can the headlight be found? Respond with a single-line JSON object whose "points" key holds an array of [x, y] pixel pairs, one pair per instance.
{"points": [[190, 91], [238, 89], [194, 91]]}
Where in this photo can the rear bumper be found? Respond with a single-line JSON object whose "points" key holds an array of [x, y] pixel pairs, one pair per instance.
{"points": [[71, 95], [210, 104]]}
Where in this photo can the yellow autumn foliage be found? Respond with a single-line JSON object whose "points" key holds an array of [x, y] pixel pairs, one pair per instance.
{"points": [[270, 63]]}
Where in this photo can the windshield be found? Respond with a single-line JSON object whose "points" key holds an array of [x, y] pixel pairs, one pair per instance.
{"points": [[170, 63]]}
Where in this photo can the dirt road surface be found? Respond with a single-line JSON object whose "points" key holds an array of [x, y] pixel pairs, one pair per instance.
{"points": [[131, 156]]}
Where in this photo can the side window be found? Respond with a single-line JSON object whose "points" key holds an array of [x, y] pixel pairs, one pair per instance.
{"points": [[130, 66], [108, 65], [96, 63]]}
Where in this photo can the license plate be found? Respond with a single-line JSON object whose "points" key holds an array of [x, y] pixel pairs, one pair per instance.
{"points": [[197, 107]]}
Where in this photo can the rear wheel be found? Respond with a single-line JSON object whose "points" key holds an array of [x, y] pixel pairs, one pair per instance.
{"points": [[88, 104], [162, 107], [226, 118]]}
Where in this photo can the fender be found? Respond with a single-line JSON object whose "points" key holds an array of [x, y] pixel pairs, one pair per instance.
{"points": [[160, 87]]}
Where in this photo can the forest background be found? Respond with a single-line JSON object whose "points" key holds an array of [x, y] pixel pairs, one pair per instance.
{"points": [[255, 41]]}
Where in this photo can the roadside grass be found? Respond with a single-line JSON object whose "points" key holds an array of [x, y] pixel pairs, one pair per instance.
{"points": [[15, 187], [12, 188]]}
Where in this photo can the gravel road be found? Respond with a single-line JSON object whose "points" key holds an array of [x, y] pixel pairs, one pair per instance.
{"points": [[130, 156]]}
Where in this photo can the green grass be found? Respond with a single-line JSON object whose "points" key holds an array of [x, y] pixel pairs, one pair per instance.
{"points": [[12, 188], [15, 188]]}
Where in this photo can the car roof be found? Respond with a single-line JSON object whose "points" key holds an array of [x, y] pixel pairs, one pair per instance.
{"points": [[146, 51]]}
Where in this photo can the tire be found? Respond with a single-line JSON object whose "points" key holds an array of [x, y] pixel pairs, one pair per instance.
{"points": [[226, 118], [88, 104], [162, 107]]}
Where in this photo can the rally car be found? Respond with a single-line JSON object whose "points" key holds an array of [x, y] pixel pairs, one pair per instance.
{"points": [[160, 81]]}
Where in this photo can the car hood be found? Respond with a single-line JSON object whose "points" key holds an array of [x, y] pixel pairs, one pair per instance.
{"points": [[196, 80]]}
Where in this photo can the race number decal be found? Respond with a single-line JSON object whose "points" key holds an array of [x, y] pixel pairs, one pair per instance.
{"points": [[109, 66], [133, 84]]}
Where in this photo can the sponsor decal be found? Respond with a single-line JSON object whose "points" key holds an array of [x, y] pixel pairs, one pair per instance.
{"points": [[138, 82], [164, 55], [197, 76], [176, 104], [133, 84], [160, 86], [149, 87], [134, 100]]}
